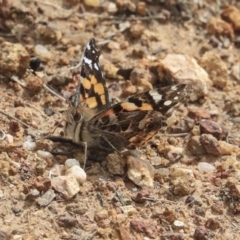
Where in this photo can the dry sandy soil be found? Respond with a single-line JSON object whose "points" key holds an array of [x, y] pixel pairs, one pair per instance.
{"points": [[161, 193]]}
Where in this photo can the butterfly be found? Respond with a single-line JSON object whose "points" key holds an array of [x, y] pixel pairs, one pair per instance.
{"points": [[92, 121]]}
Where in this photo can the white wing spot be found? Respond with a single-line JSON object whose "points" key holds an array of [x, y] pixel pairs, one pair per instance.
{"points": [[88, 46], [96, 66], [155, 95], [88, 61], [174, 88], [167, 103], [175, 98]]}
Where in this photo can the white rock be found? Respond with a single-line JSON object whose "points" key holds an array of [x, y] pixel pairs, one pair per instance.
{"points": [[205, 167], [29, 144], [71, 162], [16, 164], [9, 138], [44, 154], [128, 209], [17, 237], [236, 71], [185, 69], [29, 138], [178, 224], [112, 7], [177, 172], [140, 172], [124, 25], [67, 185], [42, 53], [78, 173]]}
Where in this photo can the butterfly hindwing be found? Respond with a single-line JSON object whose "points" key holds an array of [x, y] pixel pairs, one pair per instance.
{"points": [[139, 117]]}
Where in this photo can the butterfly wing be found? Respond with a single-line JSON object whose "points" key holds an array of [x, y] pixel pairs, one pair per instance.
{"points": [[91, 88], [138, 118]]}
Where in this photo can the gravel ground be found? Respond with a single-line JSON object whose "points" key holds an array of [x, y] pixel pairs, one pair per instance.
{"points": [[183, 184]]}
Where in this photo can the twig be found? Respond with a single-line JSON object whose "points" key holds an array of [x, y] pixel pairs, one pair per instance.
{"points": [[15, 79], [53, 92], [44, 2], [175, 134], [149, 199], [30, 105], [23, 123], [132, 18], [7, 35]]}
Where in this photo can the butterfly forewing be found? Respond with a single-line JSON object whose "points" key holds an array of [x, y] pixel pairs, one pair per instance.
{"points": [[166, 99], [91, 88]]}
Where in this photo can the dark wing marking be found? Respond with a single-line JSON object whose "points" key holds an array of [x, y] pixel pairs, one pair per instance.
{"points": [[91, 83], [127, 129], [138, 118]]}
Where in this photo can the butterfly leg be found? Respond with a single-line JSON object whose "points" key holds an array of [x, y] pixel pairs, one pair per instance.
{"points": [[110, 144], [68, 140], [85, 154], [58, 139]]}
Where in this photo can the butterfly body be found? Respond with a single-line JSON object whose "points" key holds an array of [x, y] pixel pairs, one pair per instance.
{"points": [[91, 119]]}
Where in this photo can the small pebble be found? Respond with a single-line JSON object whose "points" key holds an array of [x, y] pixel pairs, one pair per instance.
{"points": [[48, 111], [29, 144], [190, 200], [16, 164], [199, 211], [205, 167], [42, 52], [67, 221], [44, 154], [78, 173], [9, 138], [92, 3], [201, 233], [236, 71], [71, 162], [17, 237], [34, 193], [67, 185], [178, 224], [112, 7], [46, 198]]}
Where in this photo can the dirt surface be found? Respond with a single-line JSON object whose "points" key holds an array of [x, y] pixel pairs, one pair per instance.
{"points": [[180, 186]]}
